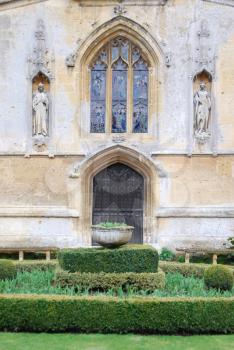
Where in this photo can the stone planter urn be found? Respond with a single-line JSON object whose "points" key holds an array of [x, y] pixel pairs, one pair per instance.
{"points": [[113, 236]]}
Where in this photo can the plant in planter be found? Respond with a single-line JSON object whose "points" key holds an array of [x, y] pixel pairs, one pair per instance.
{"points": [[112, 234], [231, 242]]}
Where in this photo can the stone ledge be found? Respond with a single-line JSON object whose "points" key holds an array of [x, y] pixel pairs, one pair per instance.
{"points": [[222, 2], [8, 4], [25, 1], [196, 212], [46, 212]]}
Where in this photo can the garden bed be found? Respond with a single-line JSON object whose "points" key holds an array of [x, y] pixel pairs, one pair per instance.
{"points": [[43, 282], [183, 305]]}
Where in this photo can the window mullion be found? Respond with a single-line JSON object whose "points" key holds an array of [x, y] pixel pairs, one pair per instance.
{"points": [[130, 93], [109, 93]]}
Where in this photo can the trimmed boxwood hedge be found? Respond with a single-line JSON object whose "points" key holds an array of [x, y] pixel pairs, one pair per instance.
{"points": [[191, 269], [129, 258], [104, 281], [113, 315], [30, 265]]}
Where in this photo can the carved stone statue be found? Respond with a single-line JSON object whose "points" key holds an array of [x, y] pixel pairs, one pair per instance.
{"points": [[40, 105], [202, 109]]}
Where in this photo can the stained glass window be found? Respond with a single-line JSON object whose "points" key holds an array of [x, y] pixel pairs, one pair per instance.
{"points": [[140, 95], [119, 96], [119, 84], [98, 94]]}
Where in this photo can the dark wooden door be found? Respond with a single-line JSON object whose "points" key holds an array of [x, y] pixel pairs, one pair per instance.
{"points": [[118, 196]]}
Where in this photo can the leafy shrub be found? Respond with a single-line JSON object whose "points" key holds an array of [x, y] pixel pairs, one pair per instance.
{"points": [[129, 258], [29, 266], [180, 258], [7, 269], [231, 241], [166, 255], [196, 270], [219, 277], [105, 281], [116, 315]]}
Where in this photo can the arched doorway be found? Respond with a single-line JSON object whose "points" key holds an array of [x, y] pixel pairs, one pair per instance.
{"points": [[118, 196]]}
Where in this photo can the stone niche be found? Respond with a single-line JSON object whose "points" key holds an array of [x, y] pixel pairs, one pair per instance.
{"points": [[202, 76], [40, 118], [40, 78], [202, 90]]}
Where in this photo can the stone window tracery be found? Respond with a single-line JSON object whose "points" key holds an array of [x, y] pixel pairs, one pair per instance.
{"points": [[119, 89]]}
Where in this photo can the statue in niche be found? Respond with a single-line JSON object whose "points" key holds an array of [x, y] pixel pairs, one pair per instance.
{"points": [[40, 105], [202, 109]]}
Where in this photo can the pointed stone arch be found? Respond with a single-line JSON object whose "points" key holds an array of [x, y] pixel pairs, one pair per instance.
{"points": [[139, 162], [120, 26], [138, 35]]}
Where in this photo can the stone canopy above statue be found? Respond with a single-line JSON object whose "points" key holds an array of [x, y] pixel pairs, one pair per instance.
{"points": [[125, 3]]}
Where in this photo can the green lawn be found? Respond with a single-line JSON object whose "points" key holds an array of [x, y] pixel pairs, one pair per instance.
{"points": [[29, 341]]}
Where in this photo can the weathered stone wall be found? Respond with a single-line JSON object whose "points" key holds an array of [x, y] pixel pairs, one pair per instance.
{"points": [[39, 201]]}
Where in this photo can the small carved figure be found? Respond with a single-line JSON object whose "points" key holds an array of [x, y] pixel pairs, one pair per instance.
{"points": [[71, 60], [40, 108], [168, 59], [202, 109], [119, 10]]}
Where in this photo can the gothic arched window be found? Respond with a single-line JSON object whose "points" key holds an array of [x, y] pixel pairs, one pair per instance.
{"points": [[119, 89]]}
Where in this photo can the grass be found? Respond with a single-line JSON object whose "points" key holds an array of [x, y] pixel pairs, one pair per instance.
{"points": [[110, 225], [28, 341], [41, 282]]}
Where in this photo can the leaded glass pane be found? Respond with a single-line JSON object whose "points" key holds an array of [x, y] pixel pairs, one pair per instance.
{"points": [[119, 116], [120, 65], [98, 85], [140, 83], [119, 85], [98, 113], [125, 50], [140, 97], [135, 54], [115, 50], [140, 116], [140, 65], [119, 96], [120, 48], [103, 57], [98, 94]]}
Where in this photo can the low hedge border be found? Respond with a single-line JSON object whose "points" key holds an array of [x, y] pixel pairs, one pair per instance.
{"points": [[190, 269], [113, 315], [31, 265], [104, 281], [128, 258]]}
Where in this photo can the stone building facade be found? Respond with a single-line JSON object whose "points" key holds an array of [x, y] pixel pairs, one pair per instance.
{"points": [[116, 109]]}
